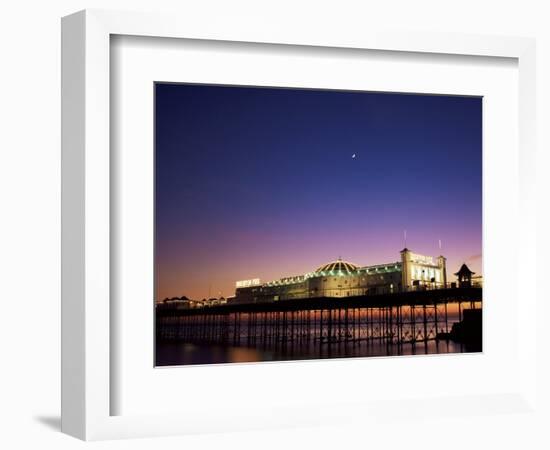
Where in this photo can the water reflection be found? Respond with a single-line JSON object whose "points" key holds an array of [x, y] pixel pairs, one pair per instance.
{"points": [[173, 353]]}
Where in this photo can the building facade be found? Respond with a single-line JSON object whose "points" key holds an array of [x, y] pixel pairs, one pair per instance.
{"points": [[344, 279]]}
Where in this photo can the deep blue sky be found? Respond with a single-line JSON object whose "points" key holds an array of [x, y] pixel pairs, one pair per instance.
{"points": [[261, 182]]}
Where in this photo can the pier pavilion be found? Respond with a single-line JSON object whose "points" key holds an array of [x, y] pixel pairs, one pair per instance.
{"points": [[339, 279]]}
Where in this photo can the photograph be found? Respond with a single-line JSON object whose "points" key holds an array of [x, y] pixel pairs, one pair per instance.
{"points": [[302, 224]]}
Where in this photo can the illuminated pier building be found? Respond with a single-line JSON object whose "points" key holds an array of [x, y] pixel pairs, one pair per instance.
{"points": [[343, 279]]}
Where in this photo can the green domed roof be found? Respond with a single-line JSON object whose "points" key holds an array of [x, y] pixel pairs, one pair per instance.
{"points": [[338, 266]]}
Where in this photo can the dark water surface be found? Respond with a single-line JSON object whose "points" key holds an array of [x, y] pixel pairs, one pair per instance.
{"points": [[173, 353]]}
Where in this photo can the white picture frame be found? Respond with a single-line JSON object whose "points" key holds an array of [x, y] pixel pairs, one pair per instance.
{"points": [[86, 245]]}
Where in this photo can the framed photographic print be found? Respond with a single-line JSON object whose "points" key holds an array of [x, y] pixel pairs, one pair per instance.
{"points": [[259, 191], [250, 215]]}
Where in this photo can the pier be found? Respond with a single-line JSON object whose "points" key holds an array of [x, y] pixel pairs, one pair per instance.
{"points": [[392, 319]]}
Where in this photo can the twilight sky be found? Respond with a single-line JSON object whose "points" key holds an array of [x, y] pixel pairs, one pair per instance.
{"points": [[263, 183]]}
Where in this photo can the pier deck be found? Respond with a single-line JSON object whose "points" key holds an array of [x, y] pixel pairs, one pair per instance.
{"points": [[414, 298]]}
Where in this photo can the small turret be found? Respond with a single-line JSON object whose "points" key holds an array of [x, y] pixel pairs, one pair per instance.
{"points": [[464, 277]]}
